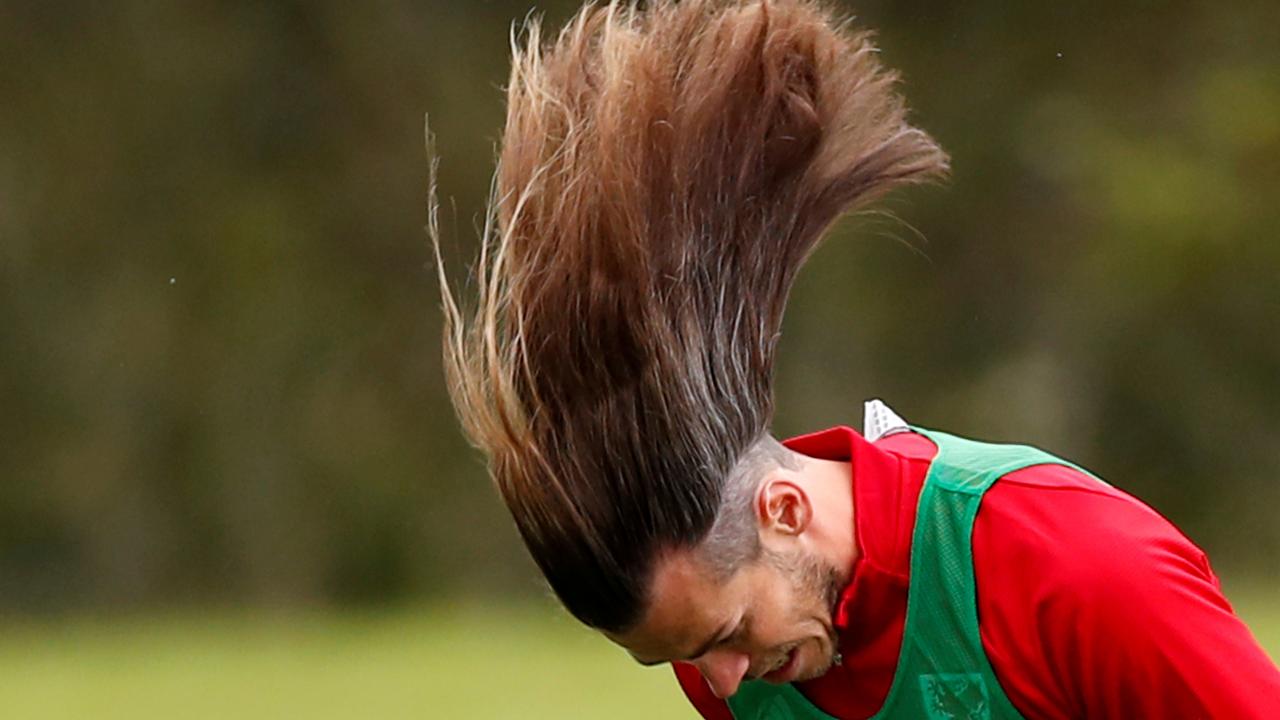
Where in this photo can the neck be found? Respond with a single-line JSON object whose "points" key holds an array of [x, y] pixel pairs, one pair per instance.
{"points": [[830, 487]]}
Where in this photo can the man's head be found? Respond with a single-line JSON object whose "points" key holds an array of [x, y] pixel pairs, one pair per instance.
{"points": [[664, 174], [767, 614], [772, 619]]}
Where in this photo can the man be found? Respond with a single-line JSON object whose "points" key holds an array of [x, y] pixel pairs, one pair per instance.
{"points": [[664, 174]]}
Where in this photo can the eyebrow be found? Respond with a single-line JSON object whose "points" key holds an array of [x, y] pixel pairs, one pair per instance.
{"points": [[720, 634]]}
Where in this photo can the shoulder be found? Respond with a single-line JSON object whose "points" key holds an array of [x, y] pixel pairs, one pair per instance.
{"points": [[1090, 600], [1078, 584], [1084, 539]]}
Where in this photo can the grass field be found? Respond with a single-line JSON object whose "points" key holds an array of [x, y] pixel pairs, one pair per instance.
{"points": [[438, 662]]}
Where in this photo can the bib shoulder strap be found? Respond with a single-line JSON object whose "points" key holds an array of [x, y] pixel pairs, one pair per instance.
{"points": [[970, 466]]}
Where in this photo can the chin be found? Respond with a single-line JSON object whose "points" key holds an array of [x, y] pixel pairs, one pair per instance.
{"points": [[815, 660]]}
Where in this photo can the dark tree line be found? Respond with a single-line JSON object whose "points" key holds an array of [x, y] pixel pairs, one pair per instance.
{"points": [[219, 348]]}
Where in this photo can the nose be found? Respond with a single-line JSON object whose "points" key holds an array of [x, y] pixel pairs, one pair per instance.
{"points": [[723, 670]]}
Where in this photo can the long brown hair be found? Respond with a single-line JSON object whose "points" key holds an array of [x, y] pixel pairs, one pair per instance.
{"points": [[665, 170]]}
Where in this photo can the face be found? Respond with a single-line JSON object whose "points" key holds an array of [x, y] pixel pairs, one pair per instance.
{"points": [[770, 620]]}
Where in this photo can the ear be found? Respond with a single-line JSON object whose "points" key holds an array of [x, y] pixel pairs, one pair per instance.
{"points": [[783, 506]]}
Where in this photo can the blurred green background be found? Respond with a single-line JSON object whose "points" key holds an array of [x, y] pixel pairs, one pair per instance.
{"points": [[232, 482]]}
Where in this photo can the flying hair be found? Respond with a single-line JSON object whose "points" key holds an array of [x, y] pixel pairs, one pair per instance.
{"points": [[665, 170]]}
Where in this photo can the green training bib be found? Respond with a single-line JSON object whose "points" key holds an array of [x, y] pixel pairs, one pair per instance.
{"points": [[943, 672]]}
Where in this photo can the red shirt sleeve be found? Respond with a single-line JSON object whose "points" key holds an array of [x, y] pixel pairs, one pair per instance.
{"points": [[1093, 605], [699, 693]]}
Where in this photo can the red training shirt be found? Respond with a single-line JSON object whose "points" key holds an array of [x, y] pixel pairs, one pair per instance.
{"points": [[1090, 604]]}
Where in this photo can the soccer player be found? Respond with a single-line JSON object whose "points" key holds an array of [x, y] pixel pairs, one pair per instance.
{"points": [[664, 174]]}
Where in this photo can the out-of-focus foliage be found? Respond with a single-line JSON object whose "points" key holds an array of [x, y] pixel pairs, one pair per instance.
{"points": [[219, 331]]}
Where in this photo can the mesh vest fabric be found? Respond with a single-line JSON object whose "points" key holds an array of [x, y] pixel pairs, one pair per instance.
{"points": [[943, 672]]}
